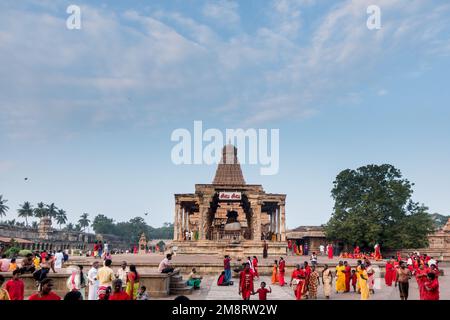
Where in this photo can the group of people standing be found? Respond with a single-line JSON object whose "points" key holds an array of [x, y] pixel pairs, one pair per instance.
{"points": [[422, 267]]}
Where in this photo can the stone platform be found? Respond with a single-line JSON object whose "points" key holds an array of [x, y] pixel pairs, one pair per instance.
{"points": [[212, 264], [234, 250]]}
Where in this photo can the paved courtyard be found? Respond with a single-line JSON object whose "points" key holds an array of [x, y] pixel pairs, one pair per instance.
{"points": [[210, 291]]}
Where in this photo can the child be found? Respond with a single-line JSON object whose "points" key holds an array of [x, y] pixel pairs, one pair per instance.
{"points": [[354, 279], [142, 294], [12, 265], [262, 291]]}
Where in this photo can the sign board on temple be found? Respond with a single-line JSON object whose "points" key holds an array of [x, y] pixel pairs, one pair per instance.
{"points": [[230, 196]]}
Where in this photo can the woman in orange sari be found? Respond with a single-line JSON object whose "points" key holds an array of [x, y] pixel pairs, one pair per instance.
{"points": [[132, 282], [275, 272]]}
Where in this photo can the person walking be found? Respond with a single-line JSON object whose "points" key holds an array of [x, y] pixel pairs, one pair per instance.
{"points": [[327, 280], [93, 281], [402, 280]]}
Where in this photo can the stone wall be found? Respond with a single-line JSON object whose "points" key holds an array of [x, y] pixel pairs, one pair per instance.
{"points": [[54, 240]]}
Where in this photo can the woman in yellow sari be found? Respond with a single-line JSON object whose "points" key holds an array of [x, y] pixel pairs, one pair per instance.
{"points": [[275, 272], [363, 278], [340, 277], [132, 282]]}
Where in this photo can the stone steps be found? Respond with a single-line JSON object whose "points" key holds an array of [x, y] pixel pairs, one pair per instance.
{"points": [[178, 286], [182, 291]]}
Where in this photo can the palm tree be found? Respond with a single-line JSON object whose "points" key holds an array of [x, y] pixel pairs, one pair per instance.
{"points": [[61, 217], [84, 221], [70, 227], [40, 211], [3, 206], [25, 211], [34, 225], [52, 210]]}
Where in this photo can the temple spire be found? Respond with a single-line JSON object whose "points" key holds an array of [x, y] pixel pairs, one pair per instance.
{"points": [[229, 170]]}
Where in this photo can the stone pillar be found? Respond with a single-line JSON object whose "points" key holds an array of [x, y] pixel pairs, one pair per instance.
{"points": [[270, 221], [175, 224], [283, 222], [182, 223], [186, 220], [256, 219], [203, 209], [275, 222]]}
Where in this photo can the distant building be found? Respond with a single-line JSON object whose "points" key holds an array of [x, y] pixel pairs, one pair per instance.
{"points": [[44, 237]]}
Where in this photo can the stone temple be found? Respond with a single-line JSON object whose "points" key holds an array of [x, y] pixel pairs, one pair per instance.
{"points": [[229, 216]]}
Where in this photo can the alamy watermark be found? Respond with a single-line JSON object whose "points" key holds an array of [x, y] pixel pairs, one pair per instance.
{"points": [[74, 20], [254, 146], [374, 19]]}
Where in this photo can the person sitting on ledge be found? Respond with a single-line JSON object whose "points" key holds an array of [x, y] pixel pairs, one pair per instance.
{"points": [[166, 266], [222, 281], [194, 279], [27, 264]]}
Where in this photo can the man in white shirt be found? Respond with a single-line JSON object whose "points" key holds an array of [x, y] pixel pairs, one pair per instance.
{"points": [[59, 258], [93, 281], [122, 273], [165, 265], [322, 249]]}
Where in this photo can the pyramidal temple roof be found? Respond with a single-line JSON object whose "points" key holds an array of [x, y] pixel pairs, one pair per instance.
{"points": [[229, 170]]}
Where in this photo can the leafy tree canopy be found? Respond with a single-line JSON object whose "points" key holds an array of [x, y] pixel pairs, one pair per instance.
{"points": [[373, 205]]}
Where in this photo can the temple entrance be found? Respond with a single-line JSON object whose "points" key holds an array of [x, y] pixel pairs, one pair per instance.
{"points": [[229, 216], [230, 219]]}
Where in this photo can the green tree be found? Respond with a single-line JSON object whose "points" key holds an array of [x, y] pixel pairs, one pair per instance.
{"points": [[61, 217], [373, 205], [103, 225], [34, 225], [25, 211], [69, 227], [84, 221], [3, 207]]}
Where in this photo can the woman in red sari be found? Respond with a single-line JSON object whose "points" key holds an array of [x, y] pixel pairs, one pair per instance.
{"points": [[299, 284], [390, 272], [431, 288], [281, 269], [421, 278], [330, 251], [255, 266]]}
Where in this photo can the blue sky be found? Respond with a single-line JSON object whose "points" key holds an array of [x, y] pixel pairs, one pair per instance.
{"points": [[87, 114]]}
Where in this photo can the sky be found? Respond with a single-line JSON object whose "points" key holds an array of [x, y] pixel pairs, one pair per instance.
{"points": [[87, 114]]}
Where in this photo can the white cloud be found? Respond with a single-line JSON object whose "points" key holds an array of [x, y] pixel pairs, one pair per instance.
{"points": [[131, 69], [224, 12]]}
